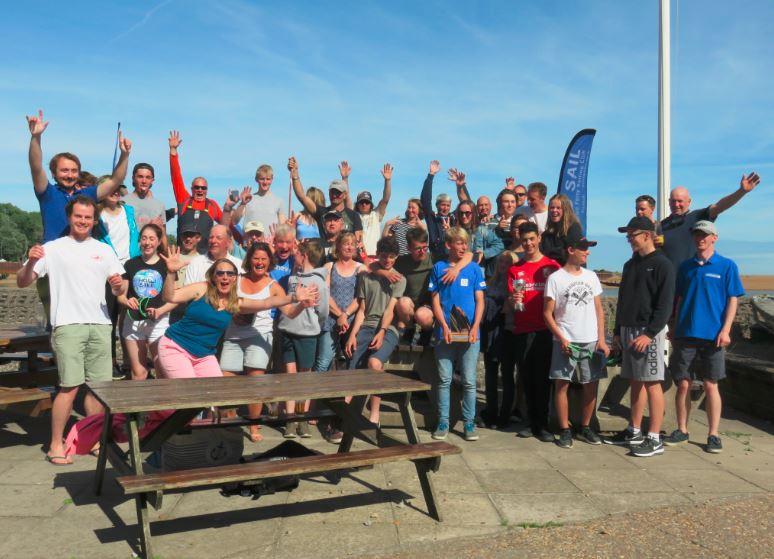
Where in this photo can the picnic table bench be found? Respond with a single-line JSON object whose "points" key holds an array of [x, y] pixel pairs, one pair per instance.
{"points": [[187, 397], [25, 344]]}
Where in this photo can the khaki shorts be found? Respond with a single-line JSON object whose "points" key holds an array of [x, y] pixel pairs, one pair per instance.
{"points": [[82, 353]]}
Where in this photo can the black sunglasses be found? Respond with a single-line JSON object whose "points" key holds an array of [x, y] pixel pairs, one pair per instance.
{"points": [[221, 273], [198, 188]]}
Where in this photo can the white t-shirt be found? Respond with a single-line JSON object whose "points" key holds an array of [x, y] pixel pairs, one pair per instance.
{"points": [[540, 219], [118, 230], [197, 269], [264, 209], [372, 231], [77, 272], [574, 296]]}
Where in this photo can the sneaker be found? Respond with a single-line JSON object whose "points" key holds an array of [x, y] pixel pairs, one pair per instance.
{"points": [[675, 437], [625, 438], [303, 430], [289, 431], [544, 436], [714, 445], [587, 435], [333, 435], [118, 373], [470, 431], [648, 448], [565, 439], [525, 433], [440, 433]]}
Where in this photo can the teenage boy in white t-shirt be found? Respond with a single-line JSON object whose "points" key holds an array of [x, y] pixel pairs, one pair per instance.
{"points": [[573, 312], [78, 267]]}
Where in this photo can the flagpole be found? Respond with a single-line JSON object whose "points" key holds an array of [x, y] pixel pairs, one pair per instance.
{"points": [[664, 111]]}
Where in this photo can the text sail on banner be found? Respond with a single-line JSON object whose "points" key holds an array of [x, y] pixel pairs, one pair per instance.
{"points": [[574, 174]]}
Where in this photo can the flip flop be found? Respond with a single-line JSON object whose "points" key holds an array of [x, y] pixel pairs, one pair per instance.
{"points": [[94, 452], [51, 460]]}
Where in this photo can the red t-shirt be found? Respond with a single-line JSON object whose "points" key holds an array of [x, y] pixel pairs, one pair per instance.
{"points": [[182, 194], [534, 275]]}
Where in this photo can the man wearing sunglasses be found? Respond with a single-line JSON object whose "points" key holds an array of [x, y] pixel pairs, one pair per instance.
{"points": [[194, 209], [678, 241], [371, 216], [219, 244], [645, 299]]}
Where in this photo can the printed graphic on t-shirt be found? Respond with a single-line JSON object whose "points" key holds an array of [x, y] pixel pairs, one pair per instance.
{"points": [[578, 293]]}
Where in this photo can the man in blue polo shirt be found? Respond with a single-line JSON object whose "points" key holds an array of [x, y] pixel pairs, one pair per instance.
{"points": [[53, 197], [708, 287]]}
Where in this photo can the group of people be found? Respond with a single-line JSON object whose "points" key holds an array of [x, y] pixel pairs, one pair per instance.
{"points": [[247, 290]]}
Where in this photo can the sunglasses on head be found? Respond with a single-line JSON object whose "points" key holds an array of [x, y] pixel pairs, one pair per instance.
{"points": [[227, 273]]}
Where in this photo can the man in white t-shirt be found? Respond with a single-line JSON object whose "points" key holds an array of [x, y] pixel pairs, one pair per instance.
{"points": [[218, 246], [77, 267], [573, 312], [536, 198], [263, 205], [371, 216]]}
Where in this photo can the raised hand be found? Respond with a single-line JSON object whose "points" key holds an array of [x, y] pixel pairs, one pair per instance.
{"points": [[36, 253], [37, 124], [246, 195], [435, 166], [510, 183], [457, 176], [172, 259], [292, 219], [344, 170], [174, 139], [747, 183], [293, 166], [387, 171], [124, 144]]}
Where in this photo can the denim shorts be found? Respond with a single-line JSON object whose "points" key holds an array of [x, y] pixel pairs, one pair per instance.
{"points": [[246, 353], [583, 371], [362, 353]]}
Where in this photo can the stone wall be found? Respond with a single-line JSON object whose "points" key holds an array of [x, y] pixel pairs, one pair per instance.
{"points": [[20, 306]]}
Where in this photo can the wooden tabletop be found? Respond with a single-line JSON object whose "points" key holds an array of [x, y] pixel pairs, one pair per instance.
{"points": [[23, 338], [168, 394]]}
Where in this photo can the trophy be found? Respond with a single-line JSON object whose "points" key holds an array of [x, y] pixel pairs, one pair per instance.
{"points": [[519, 285], [459, 325]]}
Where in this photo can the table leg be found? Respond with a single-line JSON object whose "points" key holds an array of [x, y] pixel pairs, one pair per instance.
{"points": [[423, 466], [141, 500], [352, 421], [103, 454]]}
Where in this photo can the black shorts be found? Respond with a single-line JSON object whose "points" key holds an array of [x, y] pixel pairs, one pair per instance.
{"points": [[693, 358], [300, 350]]}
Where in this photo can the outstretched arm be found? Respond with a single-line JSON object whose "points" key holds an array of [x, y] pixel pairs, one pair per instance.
{"points": [[345, 170], [37, 127], [178, 185], [381, 207], [119, 173], [458, 177], [298, 188], [747, 184]]}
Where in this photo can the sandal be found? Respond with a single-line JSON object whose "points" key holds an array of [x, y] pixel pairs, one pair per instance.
{"points": [[58, 460]]}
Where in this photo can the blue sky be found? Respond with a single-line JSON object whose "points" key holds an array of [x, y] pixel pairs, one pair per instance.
{"points": [[494, 88]]}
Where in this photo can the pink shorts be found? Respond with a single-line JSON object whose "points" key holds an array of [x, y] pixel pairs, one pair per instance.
{"points": [[178, 363]]}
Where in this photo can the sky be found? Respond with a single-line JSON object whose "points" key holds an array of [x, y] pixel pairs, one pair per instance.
{"points": [[495, 89]]}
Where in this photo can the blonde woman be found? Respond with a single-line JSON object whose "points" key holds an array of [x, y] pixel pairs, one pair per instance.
{"points": [[561, 220]]}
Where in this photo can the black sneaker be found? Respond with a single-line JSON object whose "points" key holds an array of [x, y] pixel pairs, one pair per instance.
{"points": [[333, 435], [714, 445], [649, 447], [118, 373], [587, 435], [525, 433], [625, 438], [675, 437], [565, 439], [544, 436]]}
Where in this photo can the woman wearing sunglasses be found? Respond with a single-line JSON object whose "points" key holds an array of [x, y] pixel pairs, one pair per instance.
{"points": [[187, 349], [146, 312]]}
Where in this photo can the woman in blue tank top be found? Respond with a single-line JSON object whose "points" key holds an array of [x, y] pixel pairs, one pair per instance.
{"points": [[187, 348]]}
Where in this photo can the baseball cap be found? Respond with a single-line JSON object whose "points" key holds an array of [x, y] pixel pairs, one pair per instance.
{"points": [[254, 226], [365, 195], [338, 185], [576, 239], [331, 214], [189, 229], [640, 223], [705, 227]]}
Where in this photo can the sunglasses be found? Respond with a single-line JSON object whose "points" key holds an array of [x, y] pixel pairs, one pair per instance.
{"points": [[520, 194], [198, 188], [227, 273], [630, 236], [420, 249], [466, 213]]}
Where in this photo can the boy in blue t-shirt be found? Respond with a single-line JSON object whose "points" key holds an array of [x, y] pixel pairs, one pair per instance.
{"points": [[708, 288], [466, 293]]}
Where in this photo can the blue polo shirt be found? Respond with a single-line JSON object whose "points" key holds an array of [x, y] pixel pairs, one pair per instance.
{"points": [[462, 292], [52, 209], [704, 290]]}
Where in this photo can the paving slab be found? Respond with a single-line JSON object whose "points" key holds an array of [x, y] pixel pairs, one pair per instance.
{"points": [[707, 481], [617, 503], [516, 459], [615, 481], [458, 509], [336, 540], [523, 482], [548, 507]]}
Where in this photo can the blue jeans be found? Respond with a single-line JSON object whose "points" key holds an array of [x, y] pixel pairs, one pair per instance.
{"points": [[326, 351], [465, 355]]}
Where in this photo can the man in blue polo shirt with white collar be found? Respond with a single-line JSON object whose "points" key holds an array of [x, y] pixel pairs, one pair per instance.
{"points": [[708, 288], [53, 197]]}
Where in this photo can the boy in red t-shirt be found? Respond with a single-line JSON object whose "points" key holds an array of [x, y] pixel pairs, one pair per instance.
{"points": [[533, 344]]}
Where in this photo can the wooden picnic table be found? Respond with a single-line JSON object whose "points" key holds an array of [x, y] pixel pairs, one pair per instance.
{"points": [[25, 343], [188, 397]]}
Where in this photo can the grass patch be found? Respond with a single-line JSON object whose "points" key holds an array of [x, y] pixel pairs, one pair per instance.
{"points": [[549, 524], [67, 502]]}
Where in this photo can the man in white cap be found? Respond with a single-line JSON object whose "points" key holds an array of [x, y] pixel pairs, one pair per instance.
{"points": [[708, 289]]}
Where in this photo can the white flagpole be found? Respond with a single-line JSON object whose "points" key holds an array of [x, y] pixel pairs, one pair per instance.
{"points": [[664, 112]]}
